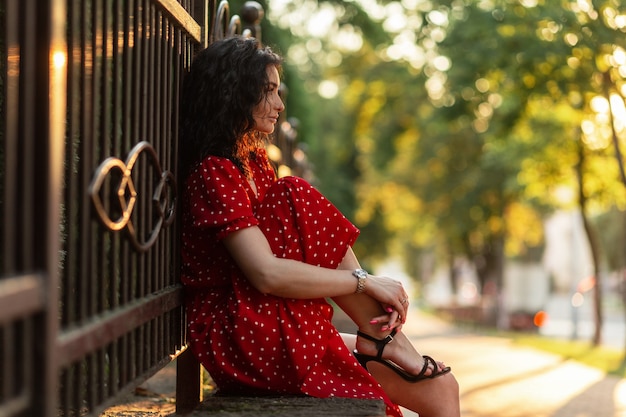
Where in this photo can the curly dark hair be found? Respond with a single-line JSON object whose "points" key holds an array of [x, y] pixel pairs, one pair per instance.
{"points": [[226, 81]]}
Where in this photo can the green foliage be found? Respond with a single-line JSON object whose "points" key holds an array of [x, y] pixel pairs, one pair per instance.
{"points": [[456, 158], [353, 14], [334, 157], [509, 64], [385, 137]]}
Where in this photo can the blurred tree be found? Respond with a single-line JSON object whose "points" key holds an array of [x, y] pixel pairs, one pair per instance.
{"points": [[504, 55]]}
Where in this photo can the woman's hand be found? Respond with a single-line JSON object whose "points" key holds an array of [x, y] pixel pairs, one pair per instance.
{"points": [[392, 297], [388, 321]]}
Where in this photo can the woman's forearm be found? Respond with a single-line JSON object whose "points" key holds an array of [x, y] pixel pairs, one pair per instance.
{"points": [[294, 279], [284, 277]]}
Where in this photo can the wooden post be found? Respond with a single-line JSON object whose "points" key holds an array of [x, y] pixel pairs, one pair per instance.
{"points": [[188, 382]]}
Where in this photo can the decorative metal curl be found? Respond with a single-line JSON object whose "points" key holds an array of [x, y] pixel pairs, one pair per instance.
{"points": [[223, 27], [248, 25], [163, 203]]}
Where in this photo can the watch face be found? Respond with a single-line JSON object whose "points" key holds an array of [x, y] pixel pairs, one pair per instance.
{"points": [[360, 273]]}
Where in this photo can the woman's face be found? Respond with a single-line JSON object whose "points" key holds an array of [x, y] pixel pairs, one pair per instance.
{"points": [[267, 110]]}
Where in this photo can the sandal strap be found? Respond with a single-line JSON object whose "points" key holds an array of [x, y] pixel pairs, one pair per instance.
{"points": [[380, 343]]}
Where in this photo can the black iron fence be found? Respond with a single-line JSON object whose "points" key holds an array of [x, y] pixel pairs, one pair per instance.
{"points": [[90, 304]]}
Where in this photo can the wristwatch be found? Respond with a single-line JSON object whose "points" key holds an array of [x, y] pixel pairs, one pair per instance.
{"points": [[361, 276]]}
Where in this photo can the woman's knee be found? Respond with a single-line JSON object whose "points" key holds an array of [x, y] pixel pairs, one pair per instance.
{"points": [[289, 185]]}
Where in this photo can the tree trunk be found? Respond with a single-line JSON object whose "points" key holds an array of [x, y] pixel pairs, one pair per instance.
{"points": [[623, 293], [594, 246], [490, 270], [615, 139], [607, 86], [453, 274]]}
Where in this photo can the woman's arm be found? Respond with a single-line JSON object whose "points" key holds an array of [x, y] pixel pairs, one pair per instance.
{"points": [[293, 279]]}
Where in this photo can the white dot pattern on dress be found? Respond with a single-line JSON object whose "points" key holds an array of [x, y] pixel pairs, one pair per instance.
{"points": [[248, 341]]}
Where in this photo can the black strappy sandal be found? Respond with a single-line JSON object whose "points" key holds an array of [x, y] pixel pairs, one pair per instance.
{"points": [[380, 346]]}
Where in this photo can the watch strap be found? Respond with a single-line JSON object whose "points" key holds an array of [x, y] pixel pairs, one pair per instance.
{"points": [[361, 276]]}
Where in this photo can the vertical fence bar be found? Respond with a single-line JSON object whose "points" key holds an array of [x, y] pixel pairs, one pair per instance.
{"points": [[47, 329], [99, 153], [116, 148], [127, 66], [26, 198], [71, 211], [126, 267], [10, 66], [6, 148]]}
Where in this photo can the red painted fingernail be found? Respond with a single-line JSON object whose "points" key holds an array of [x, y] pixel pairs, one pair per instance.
{"points": [[373, 321]]}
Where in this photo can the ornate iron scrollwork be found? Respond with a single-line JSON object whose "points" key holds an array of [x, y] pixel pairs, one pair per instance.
{"points": [[163, 196], [225, 26]]}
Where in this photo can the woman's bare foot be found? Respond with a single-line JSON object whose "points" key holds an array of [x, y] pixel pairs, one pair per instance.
{"points": [[400, 351]]}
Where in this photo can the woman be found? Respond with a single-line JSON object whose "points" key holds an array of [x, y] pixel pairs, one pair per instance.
{"points": [[261, 255]]}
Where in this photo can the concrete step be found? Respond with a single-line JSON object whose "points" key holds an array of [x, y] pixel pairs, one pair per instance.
{"points": [[289, 406]]}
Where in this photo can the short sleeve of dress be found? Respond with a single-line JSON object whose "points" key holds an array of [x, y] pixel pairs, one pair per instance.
{"points": [[218, 198]]}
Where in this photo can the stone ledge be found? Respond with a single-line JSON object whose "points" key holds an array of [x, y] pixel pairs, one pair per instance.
{"points": [[289, 407]]}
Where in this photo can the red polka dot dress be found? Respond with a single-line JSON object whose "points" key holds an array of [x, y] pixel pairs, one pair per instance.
{"points": [[252, 343]]}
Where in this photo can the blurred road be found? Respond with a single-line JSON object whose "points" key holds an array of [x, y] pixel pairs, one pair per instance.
{"points": [[499, 379]]}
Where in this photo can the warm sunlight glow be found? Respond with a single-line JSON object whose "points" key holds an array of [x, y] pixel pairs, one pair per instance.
{"points": [[595, 136], [620, 21], [480, 125], [334, 59], [396, 18], [435, 86], [59, 58], [442, 63], [328, 89], [299, 155], [571, 39], [577, 299], [348, 39], [437, 17], [598, 127], [284, 171], [619, 112], [619, 396], [320, 23], [482, 85], [495, 100], [599, 104], [469, 291], [586, 284], [564, 195], [584, 6], [619, 56], [274, 153]]}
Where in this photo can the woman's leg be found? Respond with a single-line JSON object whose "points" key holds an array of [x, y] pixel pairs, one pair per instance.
{"points": [[438, 397]]}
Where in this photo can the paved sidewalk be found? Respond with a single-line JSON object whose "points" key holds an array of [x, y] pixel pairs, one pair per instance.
{"points": [[499, 379], [496, 378]]}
